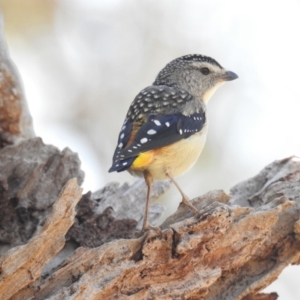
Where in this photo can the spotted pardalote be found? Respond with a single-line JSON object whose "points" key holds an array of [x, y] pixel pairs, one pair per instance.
{"points": [[165, 127]]}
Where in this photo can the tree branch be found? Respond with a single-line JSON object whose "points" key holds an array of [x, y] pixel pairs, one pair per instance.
{"points": [[231, 252], [23, 265], [15, 119]]}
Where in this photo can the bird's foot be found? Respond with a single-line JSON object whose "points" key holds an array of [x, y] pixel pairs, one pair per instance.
{"points": [[147, 228], [186, 201]]}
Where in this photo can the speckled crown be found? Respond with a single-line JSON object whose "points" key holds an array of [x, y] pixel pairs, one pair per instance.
{"points": [[198, 57]]}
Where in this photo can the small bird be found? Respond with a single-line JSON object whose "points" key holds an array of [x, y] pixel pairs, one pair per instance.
{"points": [[165, 127]]}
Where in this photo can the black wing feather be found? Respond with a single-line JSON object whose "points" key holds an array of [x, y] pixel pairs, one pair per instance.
{"points": [[158, 131], [118, 160]]}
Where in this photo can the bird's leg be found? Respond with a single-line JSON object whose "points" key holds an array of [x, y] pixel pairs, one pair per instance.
{"points": [[185, 199], [149, 182]]}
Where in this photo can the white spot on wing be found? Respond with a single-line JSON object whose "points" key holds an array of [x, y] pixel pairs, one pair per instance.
{"points": [[124, 163], [144, 140], [120, 145], [167, 124], [180, 131], [122, 136], [151, 131], [157, 123]]}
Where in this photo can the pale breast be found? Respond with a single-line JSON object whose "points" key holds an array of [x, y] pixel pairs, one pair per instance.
{"points": [[176, 159]]}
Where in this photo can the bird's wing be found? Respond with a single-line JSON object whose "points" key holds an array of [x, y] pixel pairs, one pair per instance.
{"points": [[158, 131]]}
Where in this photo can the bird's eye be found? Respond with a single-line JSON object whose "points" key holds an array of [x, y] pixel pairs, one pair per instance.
{"points": [[204, 71]]}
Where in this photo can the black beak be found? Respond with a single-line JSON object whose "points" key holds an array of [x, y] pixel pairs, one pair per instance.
{"points": [[228, 76]]}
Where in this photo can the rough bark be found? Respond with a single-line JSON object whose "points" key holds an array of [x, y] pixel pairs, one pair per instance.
{"points": [[26, 190], [23, 265], [114, 212], [15, 119], [238, 246]]}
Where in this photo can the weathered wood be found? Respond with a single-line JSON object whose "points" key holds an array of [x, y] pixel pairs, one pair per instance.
{"points": [[23, 265], [15, 119], [237, 247], [32, 176], [114, 212]]}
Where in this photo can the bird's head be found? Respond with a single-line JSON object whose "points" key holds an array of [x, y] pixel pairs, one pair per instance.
{"points": [[198, 74]]}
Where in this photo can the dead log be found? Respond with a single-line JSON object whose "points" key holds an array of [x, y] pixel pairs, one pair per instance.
{"points": [[22, 265], [238, 246]]}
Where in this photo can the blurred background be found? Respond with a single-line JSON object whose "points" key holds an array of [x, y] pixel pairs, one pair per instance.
{"points": [[83, 62]]}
